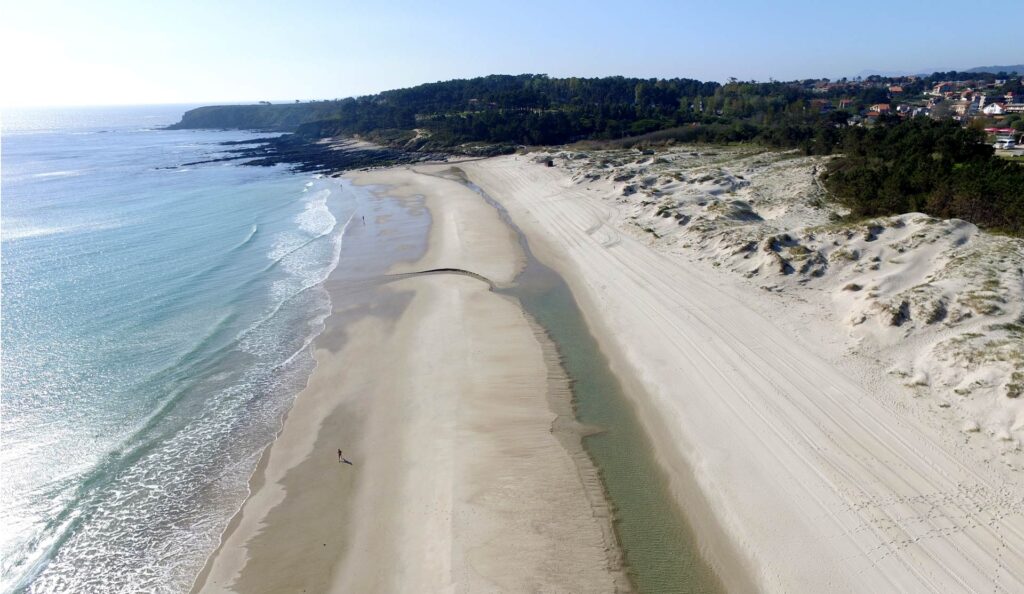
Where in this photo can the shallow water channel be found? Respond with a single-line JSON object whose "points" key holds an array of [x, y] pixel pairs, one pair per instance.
{"points": [[661, 550]]}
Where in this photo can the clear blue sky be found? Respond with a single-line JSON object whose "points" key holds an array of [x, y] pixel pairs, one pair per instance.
{"points": [[109, 51]]}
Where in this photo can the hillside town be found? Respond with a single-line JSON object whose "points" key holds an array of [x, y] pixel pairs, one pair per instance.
{"points": [[990, 102]]}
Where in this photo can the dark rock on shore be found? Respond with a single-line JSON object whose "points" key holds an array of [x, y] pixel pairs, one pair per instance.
{"points": [[320, 156]]}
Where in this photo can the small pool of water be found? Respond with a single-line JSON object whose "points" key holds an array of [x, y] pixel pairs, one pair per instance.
{"points": [[660, 548]]}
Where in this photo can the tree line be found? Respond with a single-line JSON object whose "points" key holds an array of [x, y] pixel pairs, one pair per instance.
{"points": [[894, 166], [921, 165]]}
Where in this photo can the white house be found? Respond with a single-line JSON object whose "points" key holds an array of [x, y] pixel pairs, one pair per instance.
{"points": [[994, 109]]}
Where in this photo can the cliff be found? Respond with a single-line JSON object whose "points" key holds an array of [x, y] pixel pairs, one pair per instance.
{"points": [[285, 117]]}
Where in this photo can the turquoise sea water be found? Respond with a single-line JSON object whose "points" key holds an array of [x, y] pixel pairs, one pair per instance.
{"points": [[155, 327]]}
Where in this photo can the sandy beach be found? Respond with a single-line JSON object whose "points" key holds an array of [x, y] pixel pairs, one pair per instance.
{"points": [[816, 480], [797, 469], [439, 393]]}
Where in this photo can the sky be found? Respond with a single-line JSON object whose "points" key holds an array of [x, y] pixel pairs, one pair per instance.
{"points": [[109, 52]]}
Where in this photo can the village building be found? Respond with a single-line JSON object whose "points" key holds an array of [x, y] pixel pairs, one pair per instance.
{"points": [[994, 109], [821, 105]]}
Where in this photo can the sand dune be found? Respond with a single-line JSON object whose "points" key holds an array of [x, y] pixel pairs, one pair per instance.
{"points": [[938, 301], [817, 471]]}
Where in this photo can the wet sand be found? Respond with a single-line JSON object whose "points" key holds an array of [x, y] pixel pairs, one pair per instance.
{"points": [[439, 392]]}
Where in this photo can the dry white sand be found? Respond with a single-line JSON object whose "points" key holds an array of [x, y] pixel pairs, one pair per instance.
{"points": [[438, 391], [935, 308], [818, 476]]}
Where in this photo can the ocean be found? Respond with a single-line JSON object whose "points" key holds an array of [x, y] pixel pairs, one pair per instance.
{"points": [[155, 323]]}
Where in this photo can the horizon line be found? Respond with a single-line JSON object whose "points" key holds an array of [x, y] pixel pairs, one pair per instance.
{"points": [[880, 73]]}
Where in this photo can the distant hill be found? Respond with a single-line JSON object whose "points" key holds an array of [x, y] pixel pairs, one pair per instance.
{"points": [[535, 109], [886, 73], [1018, 68], [282, 117], [899, 165]]}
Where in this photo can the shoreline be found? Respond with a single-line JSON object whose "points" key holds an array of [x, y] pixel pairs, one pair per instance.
{"points": [[481, 468], [351, 265]]}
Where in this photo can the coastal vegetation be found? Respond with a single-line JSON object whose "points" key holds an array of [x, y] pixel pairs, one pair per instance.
{"points": [[938, 168], [885, 164]]}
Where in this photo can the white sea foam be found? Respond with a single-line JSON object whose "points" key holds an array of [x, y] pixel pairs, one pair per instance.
{"points": [[70, 173], [29, 231], [308, 272], [316, 219], [302, 252]]}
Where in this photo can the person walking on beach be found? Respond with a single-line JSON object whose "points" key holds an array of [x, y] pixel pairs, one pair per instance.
{"points": [[341, 458]]}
